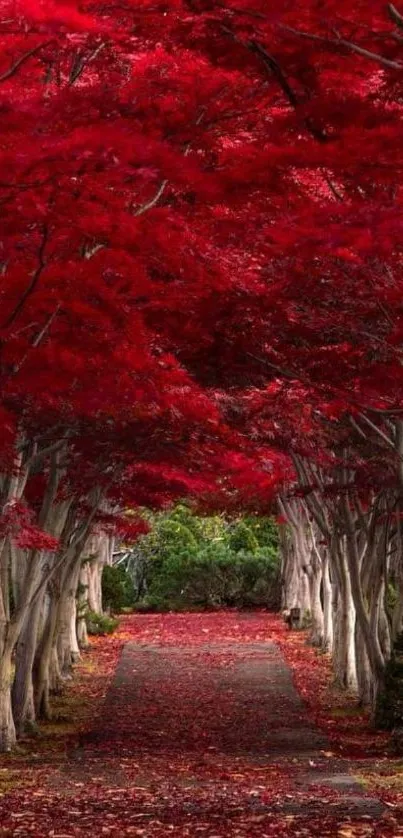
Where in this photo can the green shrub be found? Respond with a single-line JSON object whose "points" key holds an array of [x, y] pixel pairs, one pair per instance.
{"points": [[389, 709], [183, 515], [265, 531], [242, 538], [190, 561], [117, 589], [100, 623], [392, 597], [214, 576]]}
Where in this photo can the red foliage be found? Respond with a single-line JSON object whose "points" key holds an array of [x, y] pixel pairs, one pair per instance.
{"points": [[200, 196], [16, 522]]}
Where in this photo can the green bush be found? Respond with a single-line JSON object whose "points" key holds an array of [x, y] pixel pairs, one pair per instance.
{"points": [[214, 576], [392, 597], [389, 709], [183, 515], [100, 623], [265, 531], [242, 538], [193, 561], [210, 579], [117, 589]]}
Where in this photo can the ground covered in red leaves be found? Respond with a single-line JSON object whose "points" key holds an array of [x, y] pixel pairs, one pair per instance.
{"points": [[203, 726]]}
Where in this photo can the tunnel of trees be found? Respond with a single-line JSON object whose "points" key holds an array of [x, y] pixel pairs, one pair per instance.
{"points": [[201, 298]]}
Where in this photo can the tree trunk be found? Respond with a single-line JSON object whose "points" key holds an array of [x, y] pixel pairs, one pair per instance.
{"points": [[99, 551], [67, 645], [75, 649], [369, 633], [383, 627], [82, 607], [22, 692], [328, 613], [7, 727], [364, 674], [397, 617], [304, 596], [291, 582], [317, 629], [344, 634], [43, 680], [63, 645]]}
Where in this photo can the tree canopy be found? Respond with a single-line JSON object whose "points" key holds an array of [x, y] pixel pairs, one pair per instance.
{"points": [[200, 295]]}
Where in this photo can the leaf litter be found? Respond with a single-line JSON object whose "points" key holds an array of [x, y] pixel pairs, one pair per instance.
{"points": [[180, 743]]}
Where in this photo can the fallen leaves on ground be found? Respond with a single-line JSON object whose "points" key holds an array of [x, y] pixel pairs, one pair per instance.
{"points": [[196, 739]]}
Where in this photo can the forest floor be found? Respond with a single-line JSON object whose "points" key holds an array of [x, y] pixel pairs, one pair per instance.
{"points": [[206, 725]]}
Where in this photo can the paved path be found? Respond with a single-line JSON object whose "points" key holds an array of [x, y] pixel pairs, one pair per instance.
{"points": [[201, 735], [241, 697], [214, 727]]}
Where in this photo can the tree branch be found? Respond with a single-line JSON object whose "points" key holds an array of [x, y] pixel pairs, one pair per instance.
{"points": [[275, 68], [338, 41], [37, 339], [373, 56], [378, 430], [34, 281], [21, 60], [395, 15], [153, 201], [357, 427], [79, 63]]}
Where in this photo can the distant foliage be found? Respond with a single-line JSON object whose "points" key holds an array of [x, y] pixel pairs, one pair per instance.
{"points": [[100, 623], [209, 562], [242, 538], [117, 589], [389, 708]]}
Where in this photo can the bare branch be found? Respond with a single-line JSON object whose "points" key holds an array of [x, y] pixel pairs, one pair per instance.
{"points": [[302, 34], [90, 251], [315, 506], [378, 430], [161, 189], [37, 339], [45, 438], [21, 60], [373, 56], [275, 68], [80, 63], [338, 41], [395, 15], [357, 427], [34, 281], [73, 549], [153, 201], [332, 187], [46, 452]]}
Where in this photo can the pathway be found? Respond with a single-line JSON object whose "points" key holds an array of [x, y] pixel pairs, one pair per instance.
{"points": [[203, 740]]}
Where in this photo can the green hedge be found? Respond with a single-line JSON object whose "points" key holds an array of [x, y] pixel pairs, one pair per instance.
{"points": [[117, 589], [209, 562], [100, 623]]}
